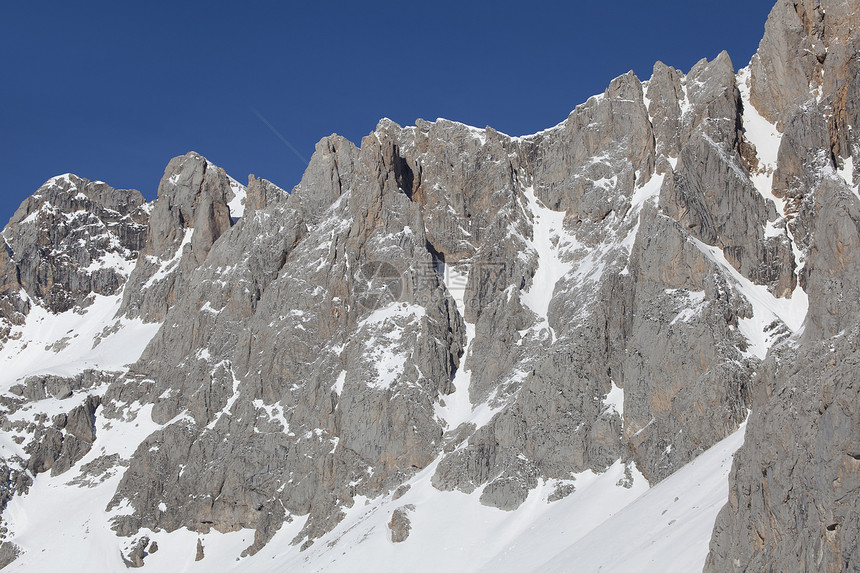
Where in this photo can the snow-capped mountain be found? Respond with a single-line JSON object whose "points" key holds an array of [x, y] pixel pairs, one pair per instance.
{"points": [[449, 348]]}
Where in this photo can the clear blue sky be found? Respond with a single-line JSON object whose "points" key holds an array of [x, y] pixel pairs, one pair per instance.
{"points": [[113, 90]]}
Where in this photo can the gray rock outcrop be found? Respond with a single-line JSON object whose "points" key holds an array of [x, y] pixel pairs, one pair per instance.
{"points": [[190, 213], [289, 271], [70, 436], [69, 240], [400, 525], [793, 487], [622, 288], [135, 556]]}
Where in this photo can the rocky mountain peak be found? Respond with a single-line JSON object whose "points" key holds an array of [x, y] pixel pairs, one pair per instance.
{"points": [[806, 53], [447, 316], [188, 216], [71, 239]]}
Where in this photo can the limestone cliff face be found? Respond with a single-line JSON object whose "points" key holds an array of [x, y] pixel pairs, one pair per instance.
{"points": [[793, 497], [623, 287], [589, 260], [189, 215]]}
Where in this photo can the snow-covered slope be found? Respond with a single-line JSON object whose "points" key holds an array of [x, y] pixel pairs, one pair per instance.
{"points": [[665, 530], [68, 343], [602, 526]]}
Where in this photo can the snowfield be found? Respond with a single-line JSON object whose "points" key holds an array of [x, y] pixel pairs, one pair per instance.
{"points": [[601, 526]]}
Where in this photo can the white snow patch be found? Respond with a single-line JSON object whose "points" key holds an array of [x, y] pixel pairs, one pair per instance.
{"points": [[765, 137], [389, 363], [614, 399], [453, 531], [233, 397], [275, 413], [208, 308], [665, 528], [774, 229], [693, 302], [31, 218], [766, 307], [169, 265], [479, 134], [64, 178], [337, 387], [458, 406], [646, 101], [57, 523], [384, 349], [112, 260], [847, 174], [395, 310], [650, 191], [71, 337], [237, 203], [549, 240], [685, 104]]}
